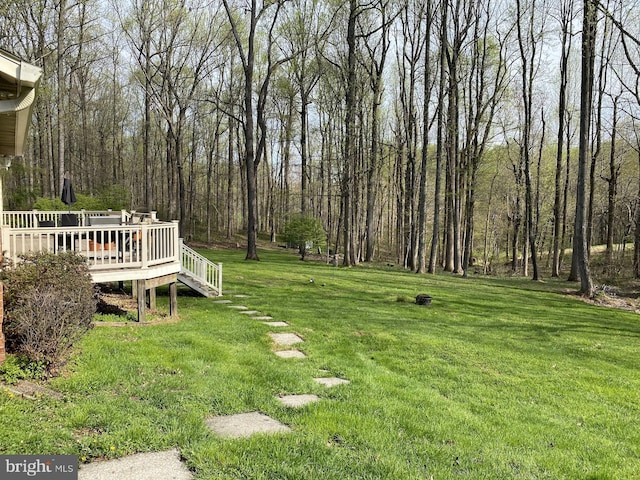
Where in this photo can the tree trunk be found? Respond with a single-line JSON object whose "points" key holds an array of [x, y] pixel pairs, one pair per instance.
{"points": [[613, 186], [422, 198], [586, 89], [146, 140], [303, 154], [61, 99], [435, 238], [451, 183], [376, 81], [566, 15], [350, 119], [565, 192], [636, 236]]}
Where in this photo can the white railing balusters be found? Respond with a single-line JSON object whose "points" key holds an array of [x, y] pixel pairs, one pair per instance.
{"points": [[106, 247], [200, 268], [110, 248]]}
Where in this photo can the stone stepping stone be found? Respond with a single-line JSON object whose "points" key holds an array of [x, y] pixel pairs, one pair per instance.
{"points": [[263, 317], [331, 381], [296, 401], [285, 338], [241, 296], [249, 312], [221, 302], [244, 425], [142, 466], [290, 354], [276, 324], [238, 307]]}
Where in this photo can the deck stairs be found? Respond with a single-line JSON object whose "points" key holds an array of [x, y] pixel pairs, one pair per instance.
{"points": [[199, 273]]}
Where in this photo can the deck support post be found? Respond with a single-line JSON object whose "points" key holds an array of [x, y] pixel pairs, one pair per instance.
{"points": [[142, 300], [173, 299], [152, 298]]}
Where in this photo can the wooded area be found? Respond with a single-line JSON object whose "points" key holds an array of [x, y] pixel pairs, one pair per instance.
{"points": [[447, 135]]}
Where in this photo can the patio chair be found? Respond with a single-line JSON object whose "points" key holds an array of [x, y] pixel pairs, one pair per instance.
{"points": [[102, 243]]}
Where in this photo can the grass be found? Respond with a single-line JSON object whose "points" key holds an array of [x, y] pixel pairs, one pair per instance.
{"points": [[498, 378]]}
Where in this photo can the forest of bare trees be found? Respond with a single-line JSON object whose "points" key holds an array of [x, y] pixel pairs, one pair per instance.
{"points": [[469, 136]]}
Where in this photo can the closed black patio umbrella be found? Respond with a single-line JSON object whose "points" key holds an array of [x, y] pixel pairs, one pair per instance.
{"points": [[68, 197]]}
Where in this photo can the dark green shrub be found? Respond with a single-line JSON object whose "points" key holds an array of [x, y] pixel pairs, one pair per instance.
{"points": [[305, 233], [49, 305]]}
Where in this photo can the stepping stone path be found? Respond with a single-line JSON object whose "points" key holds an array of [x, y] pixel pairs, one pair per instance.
{"points": [[295, 401], [244, 425], [142, 466], [290, 354], [285, 338], [331, 381], [247, 424]]}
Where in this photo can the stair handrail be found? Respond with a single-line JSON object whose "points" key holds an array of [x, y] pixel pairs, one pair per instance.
{"points": [[200, 268]]}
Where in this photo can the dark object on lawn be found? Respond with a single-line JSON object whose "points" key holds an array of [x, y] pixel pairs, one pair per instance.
{"points": [[423, 299]]}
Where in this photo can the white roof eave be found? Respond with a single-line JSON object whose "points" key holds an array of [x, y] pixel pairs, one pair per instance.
{"points": [[16, 112], [24, 74]]}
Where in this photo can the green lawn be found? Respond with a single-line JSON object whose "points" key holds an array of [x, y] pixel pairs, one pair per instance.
{"points": [[498, 378]]}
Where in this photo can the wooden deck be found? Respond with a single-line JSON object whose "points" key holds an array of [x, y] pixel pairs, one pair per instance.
{"points": [[119, 246]]}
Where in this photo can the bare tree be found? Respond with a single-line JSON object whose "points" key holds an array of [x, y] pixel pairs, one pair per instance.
{"points": [[350, 136], [440, 136], [612, 181], [581, 257], [631, 49], [139, 32], [377, 55], [487, 79], [305, 33], [566, 23], [252, 153], [528, 42], [426, 124], [60, 97]]}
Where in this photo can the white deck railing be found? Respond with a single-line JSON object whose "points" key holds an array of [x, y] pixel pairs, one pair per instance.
{"points": [[135, 246], [201, 268], [34, 218], [117, 245]]}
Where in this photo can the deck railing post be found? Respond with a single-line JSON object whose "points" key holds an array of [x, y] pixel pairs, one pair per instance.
{"points": [[6, 242], [144, 247], [175, 244]]}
